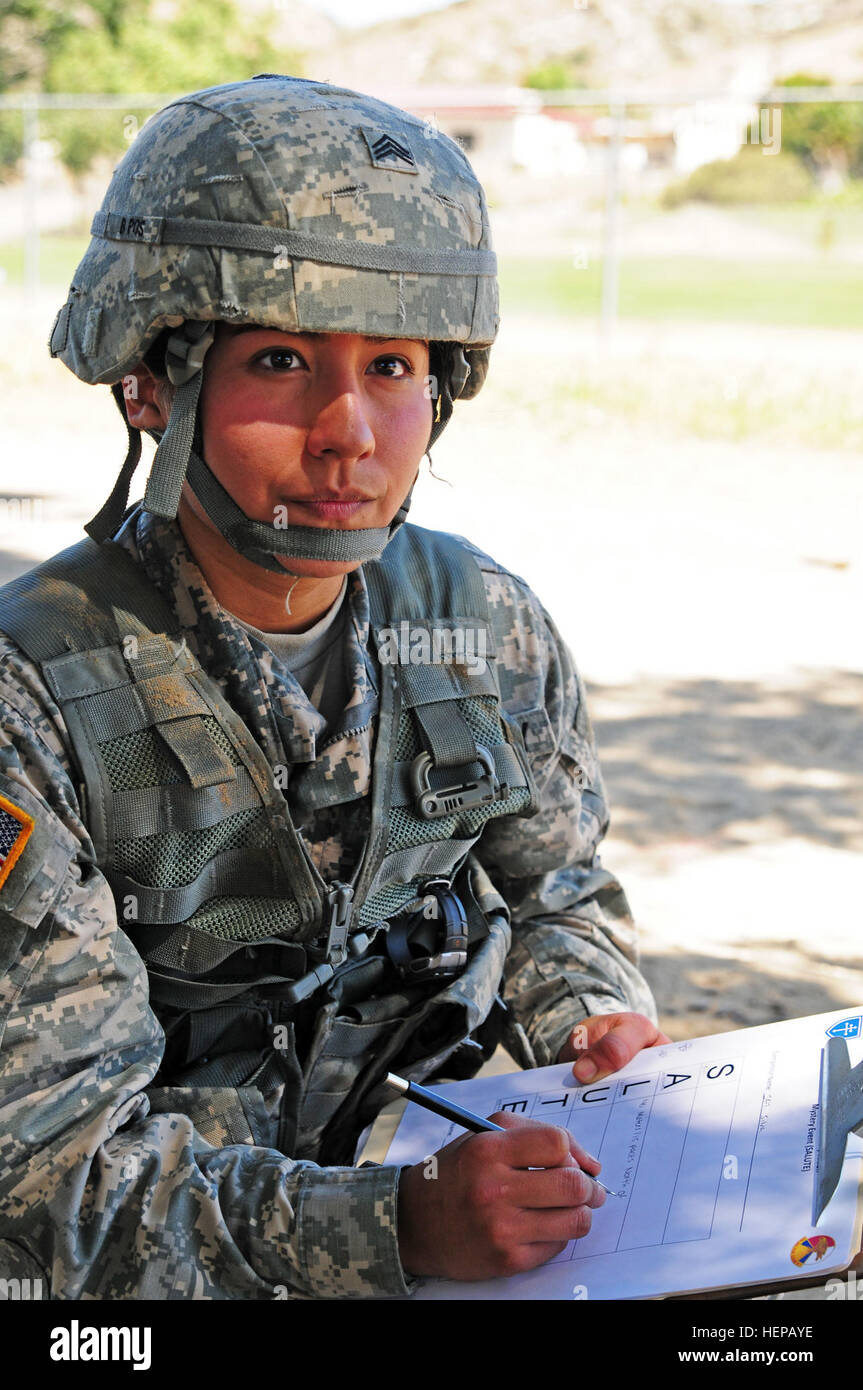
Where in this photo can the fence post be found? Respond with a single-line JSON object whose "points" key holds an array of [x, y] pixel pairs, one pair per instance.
{"points": [[610, 247], [30, 112]]}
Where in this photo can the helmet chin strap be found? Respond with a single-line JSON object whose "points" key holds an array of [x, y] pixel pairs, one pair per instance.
{"points": [[261, 541]]}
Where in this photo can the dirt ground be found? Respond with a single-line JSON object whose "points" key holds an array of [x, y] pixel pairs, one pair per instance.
{"points": [[710, 591]]}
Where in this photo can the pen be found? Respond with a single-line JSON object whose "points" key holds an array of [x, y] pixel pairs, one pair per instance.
{"points": [[449, 1111]]}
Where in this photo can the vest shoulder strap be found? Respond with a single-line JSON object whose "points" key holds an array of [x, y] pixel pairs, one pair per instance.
{"points": [[87, 597], [422, 574]]}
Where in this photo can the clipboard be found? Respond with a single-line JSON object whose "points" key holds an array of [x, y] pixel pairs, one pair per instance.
{"points": [[739, 1158]]}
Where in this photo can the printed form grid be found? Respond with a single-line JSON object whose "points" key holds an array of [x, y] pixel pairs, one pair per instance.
{"points": [[665, 1134]]}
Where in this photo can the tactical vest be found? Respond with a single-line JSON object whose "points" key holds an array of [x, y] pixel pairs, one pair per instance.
{"points": [[216, 887]]}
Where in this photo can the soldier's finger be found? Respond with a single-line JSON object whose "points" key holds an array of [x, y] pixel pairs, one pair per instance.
{"points": [[577, 1152], [555, 1223], [535, 1146], [612, 1044], [555, 1187], [585, 1160]]}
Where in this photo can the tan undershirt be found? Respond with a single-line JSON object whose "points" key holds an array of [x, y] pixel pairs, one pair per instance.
{"points": [[315, 658]]}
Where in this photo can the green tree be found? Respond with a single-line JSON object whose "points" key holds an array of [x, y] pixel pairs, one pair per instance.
{"points": [[826, 135], [749, 177], [33, 32], [134, 46], [203, 43], [558, 74]]}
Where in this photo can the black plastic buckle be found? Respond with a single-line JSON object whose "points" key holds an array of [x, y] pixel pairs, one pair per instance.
{"points": [[307, 984], [446, 801], [451, 922], [339, 899]]}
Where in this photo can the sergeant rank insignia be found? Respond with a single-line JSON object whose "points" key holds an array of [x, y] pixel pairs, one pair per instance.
{"points": [[15, 830], [387, 152]]}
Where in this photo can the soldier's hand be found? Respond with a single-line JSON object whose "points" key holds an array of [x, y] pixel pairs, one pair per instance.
{"points": [[606, 1042], [477, 1211]]}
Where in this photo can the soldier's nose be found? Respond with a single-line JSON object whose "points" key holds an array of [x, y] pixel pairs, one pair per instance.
{"points": [[341, 427]]}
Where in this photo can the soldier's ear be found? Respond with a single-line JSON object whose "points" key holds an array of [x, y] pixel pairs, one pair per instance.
{"points": [[146, 398]]}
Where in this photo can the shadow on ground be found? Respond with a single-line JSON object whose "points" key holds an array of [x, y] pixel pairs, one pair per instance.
{"points": [[697, 994], [731, 762]]}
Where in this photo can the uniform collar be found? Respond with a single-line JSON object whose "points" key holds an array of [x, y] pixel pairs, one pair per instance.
{"points": [[270, 699]]}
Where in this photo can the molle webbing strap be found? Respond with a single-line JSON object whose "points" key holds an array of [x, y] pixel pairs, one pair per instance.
{"points": [[194, 952], [128, 700], [89, 596], [423, 576], [153, 700], [445, 734], [199, 994], [160, 810], [306, 246], [205, 764], [444, 680], [227, 874]]}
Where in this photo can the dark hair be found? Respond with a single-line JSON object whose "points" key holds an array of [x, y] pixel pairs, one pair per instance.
{"points": [[154, 357], [440, 362]]}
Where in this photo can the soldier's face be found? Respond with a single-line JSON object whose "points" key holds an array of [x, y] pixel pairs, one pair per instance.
{"points": [[330, 426]]}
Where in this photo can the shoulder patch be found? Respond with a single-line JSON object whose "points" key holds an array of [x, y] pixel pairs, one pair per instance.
{"points": [[16, 827], [36, 849]]}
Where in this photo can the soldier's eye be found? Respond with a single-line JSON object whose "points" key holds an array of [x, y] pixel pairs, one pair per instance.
{"points": [[279, 359], [403, 367]]}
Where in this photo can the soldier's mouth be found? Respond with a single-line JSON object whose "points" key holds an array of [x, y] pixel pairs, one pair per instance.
{"points": [[329, 510]]}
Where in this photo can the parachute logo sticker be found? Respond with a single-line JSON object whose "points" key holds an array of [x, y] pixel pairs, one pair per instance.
{"points": [[387, 152], [845, 1028], [15, 830], [811, 1249]]}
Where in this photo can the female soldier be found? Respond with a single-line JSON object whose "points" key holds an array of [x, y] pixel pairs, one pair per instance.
{"points": [[263, 742]]}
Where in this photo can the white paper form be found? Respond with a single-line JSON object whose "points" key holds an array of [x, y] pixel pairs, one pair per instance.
{"points": [[711, 1144]]}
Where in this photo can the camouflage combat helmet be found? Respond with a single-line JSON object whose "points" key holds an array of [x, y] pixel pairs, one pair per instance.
{"points": [[298, 206]]}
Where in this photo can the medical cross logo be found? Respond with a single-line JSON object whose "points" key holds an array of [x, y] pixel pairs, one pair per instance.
{"points": [[15, 830], [845, 1028], [389, 153]]}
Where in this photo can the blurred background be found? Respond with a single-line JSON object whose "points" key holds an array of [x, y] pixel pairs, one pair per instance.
{"points": [[667, 447]]}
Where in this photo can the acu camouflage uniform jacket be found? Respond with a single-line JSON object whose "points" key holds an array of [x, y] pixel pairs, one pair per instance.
{"points": [[108, 1189]]}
